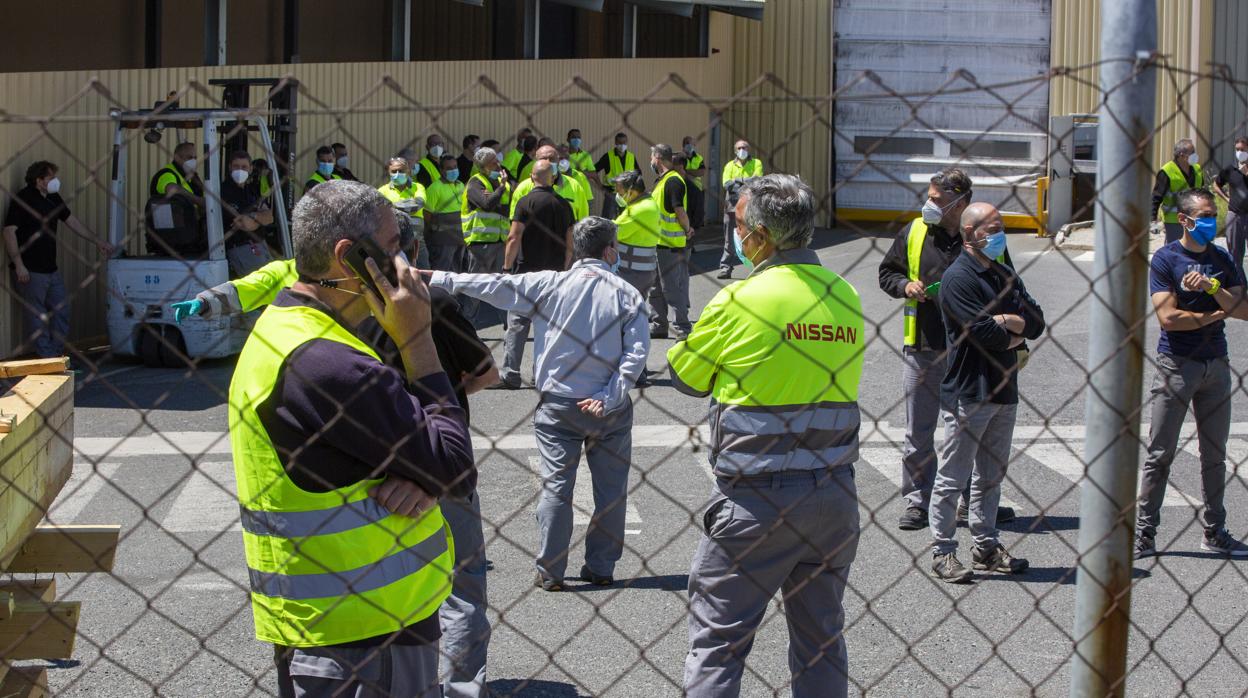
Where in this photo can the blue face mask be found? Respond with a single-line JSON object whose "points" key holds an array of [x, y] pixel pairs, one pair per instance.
{"points": [[575, 143], [325, 168], [994, 245], [736, 244], [1205, 230], [495, 174], [398, 179], [615, 266], [451, 175]]}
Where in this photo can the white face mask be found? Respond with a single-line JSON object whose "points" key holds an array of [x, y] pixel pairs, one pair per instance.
{"points": [[621, 148], [436, 151], [1241, 156], [932, 213], [743, 154], [1193, 159], [344, 161], [239, 176], [189, 166], [54, 185], [564, 165]]}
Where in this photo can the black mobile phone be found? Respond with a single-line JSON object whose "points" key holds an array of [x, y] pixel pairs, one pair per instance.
{"points": [[366, 248]]}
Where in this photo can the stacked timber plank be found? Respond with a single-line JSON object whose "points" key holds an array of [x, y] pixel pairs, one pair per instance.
{"points": [[36, 458]]}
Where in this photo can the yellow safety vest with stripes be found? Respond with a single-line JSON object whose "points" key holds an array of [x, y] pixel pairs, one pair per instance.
{"points": [[617, 167], [669, 225], [325, 567], [914, 253], [781, 355], [483, 226], [1178, 183]]}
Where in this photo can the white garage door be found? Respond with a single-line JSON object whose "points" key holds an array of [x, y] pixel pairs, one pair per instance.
{"points": [[887, 146]]}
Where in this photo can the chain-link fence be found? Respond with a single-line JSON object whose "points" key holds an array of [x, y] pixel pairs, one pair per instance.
{"points": [[812, 479]]}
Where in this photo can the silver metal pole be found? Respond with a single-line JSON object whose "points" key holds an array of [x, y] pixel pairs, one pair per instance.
{"points": [[1115, 351]]}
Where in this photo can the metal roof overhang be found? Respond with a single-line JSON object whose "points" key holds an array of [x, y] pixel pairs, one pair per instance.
{"points": [[753, 9]]}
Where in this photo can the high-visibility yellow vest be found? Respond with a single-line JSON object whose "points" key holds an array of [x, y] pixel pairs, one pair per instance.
{"points": [[511, 160], [638, 224], [739, 170], [318, 178], [673, 235], [617, 167], [781, 354], [260, 287], [1178, 183], [325, 567], [581, 160], [169, 174], [582, 180], [413, 190], [483, 226], [694, 163], [444, 197], [431, 168], [567, 189], [914, 253]]}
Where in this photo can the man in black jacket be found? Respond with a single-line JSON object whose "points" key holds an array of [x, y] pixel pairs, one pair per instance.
{"points": [[934, 237], [988, 316]]}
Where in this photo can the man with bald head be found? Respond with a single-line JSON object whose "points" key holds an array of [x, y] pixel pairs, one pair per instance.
{"points": [[563, 184], [988, 316], [540, 240]]}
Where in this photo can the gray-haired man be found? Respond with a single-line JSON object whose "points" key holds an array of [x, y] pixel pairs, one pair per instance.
{"points": [[589, 348], [484, 218]]}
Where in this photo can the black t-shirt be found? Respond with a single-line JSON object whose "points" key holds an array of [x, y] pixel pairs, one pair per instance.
{"points": [[236, 200], [674, 193], [35, 217], [1233, 178], [465, 167], [546, 217]]}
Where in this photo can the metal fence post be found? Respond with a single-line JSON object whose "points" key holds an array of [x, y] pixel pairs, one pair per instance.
{"points": [[1115, 352]]}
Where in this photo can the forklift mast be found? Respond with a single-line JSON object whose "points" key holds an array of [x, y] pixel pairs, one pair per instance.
{"points": [[236, 94]]}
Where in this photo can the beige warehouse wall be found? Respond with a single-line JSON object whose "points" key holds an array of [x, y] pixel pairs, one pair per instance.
{"points": [[1184, 37], [383, 121], [790, 126]]}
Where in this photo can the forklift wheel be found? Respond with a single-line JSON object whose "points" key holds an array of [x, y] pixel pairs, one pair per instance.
{"points": [[149, 345], [173, 348]]}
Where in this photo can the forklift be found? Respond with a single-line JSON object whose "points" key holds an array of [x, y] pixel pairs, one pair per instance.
{"points": [[141, 288]]}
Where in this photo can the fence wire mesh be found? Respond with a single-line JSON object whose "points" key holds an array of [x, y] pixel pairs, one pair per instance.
{"points": [[751, 565]]}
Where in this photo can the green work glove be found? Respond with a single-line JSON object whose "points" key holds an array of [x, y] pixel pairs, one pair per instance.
{"points": [[186, 309]]}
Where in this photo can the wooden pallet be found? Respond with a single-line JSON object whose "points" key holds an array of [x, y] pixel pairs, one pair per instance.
{"points": [[36, 458]]}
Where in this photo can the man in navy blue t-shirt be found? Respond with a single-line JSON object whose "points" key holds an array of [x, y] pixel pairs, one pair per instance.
{"points": [[1195, 286]]}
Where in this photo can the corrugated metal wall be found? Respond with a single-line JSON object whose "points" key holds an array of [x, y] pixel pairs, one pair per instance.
{"points": [[793, 43], [1183, 107], [1229, 118], [382, 123]]}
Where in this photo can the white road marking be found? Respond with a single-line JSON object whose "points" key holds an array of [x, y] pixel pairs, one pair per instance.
{"points": [[206, 502], [1236, 454], [887, 462], [84, 483], [583, 496], [1068, 462]]}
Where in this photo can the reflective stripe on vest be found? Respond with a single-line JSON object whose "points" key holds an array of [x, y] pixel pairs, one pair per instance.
{"points": [[784, 379], [482, 226], [1178, 183], [669, 225], [325, 567], [638, 258]]}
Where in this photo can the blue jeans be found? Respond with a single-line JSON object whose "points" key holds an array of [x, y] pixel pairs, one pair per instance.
{"points": [[45, 308]]}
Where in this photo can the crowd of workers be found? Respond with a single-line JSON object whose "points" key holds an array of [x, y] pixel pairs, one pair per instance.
{"points": [[349, 407]]}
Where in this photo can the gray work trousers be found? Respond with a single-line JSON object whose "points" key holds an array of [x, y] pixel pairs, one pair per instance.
{"points": [[728, 257], [922, 372], [794, 532], [643, 281], [45, 311], [246, 258], [465, 626], [610, 209], [480, 258], [1236, 236], [976, 448], [1207, 387], [514, 339], [671, 288], [365, 672], [562, 429], [447, 257]]}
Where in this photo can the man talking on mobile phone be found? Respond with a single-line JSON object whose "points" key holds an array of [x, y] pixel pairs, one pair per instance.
{"points": [[340, 459]]}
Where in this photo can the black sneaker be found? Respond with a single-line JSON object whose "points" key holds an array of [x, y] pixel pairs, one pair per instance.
{"points": [[1220, 541], [946, 568], [1144, 547], [1004, 514], [913, 519], [658, 331], [547, 584], [996, 559], [681, 331], [724, 273], [506, 384], [598, 580]]}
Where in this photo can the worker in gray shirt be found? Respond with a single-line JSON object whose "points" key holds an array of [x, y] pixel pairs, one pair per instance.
{"points": [[591, 340]]}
